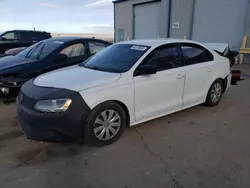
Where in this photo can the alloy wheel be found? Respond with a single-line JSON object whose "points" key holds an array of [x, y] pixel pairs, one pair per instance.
{"points": [[216, 92], [107, 124]]}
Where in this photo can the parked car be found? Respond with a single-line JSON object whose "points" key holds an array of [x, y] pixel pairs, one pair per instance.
{"points": [[125, 84], [42, 57], [20, 38], [14, 51]]}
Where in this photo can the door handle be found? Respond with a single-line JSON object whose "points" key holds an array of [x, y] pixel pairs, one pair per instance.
{"points": [[180, 76], [209, 70]]}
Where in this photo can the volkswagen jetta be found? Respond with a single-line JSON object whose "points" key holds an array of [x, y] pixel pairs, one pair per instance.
{"points": [[125, 84]]}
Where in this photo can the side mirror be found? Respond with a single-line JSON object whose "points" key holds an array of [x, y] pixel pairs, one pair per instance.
{"points": [[60, 57], [146, 70]]}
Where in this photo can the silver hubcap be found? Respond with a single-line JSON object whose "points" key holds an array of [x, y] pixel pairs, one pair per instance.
{"points": [[107, 125], [216, 92]]}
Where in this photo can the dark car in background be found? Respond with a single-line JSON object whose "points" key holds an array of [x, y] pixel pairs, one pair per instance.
{"points": [[20, 38], [42, 57]]}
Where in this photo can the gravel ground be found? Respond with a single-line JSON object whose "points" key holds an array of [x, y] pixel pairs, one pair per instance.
{"points": [[199, 147]]}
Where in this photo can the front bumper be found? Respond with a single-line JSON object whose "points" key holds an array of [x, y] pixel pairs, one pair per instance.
{"points": [[67, 126]]}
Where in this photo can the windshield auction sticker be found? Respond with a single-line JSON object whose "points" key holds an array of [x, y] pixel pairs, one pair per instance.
{"points": [[140, 48]]}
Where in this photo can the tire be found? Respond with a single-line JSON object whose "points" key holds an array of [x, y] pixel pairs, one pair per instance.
{"points": [[98, 125], [216, 89]]}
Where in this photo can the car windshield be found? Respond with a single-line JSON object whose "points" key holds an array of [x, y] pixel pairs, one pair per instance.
{"points": [[117, 58], [40, 50]]}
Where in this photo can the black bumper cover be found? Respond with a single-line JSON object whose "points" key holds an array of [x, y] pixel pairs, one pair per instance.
{"points": [[67, 126]]}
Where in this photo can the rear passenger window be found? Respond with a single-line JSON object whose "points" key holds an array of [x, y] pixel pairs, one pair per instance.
{"points": [[165, 58], [95, 47], [194, 54]]}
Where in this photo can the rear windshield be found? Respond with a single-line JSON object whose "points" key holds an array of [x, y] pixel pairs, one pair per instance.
{"points": [[116, 58], [40, 50]]}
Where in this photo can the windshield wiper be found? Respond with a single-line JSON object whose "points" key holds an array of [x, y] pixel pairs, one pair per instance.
{"points": [[95, 68]]}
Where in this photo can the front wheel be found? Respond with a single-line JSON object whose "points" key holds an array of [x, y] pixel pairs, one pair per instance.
{"points": [[214, 94], [105, 124]]}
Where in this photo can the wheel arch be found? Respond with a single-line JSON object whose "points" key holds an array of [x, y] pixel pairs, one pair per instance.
{"points": [[124, 107], [224, 82]]}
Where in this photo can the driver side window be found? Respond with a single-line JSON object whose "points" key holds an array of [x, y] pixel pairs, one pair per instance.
{"points": [[165, 58], [9, 36], [74, 50]]}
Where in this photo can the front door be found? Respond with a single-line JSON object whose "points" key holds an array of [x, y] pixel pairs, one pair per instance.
{"points": [[8, 41], [199, 69], [161, 93]]}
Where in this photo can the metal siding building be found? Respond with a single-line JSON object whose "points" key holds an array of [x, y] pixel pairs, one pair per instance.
{"points": [[202, 20]]}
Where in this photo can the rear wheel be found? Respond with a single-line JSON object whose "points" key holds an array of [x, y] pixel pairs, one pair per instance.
{"points": [[214, 94], [105, 125]]}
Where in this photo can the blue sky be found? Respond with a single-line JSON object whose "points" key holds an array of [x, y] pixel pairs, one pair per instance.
{"points": [[68, 16]]}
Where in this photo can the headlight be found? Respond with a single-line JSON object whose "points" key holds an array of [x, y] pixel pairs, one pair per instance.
{"points": [[56, 105]]}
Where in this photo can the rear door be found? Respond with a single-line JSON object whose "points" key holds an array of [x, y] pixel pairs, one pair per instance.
{"points": [[199, 69], [27, 38]]}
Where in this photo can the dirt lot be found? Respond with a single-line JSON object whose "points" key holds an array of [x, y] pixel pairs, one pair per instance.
{"points": [[197, 148]]}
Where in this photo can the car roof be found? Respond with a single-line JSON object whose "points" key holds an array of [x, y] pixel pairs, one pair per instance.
{"points": [[158, 42], [27, 31], [69, 39]]}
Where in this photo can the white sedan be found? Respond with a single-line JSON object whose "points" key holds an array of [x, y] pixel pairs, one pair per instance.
{"points": [[123, 85]]}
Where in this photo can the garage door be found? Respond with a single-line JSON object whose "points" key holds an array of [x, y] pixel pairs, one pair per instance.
{"points": [[220, 21], [147, 20]]}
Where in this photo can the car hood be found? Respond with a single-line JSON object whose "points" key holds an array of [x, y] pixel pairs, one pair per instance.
{"points": [[12, 61], [75, 78]]}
